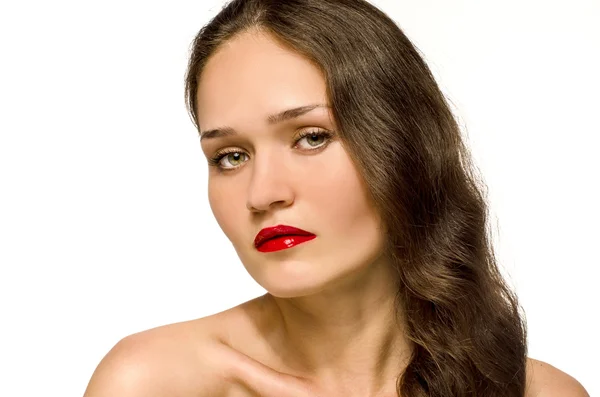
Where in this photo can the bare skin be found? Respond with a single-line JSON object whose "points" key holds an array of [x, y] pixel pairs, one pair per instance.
{"points": [[261, 319], [210, 357]]}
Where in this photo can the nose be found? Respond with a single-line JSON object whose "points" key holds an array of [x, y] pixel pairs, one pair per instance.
{"points": [[270, 184]]}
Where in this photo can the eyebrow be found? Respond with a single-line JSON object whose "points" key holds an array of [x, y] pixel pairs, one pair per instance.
{"points": [[272, 119]]}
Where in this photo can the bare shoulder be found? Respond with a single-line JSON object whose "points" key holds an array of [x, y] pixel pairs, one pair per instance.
{"points": [[220, 355], [179, 359], [544, 380]]}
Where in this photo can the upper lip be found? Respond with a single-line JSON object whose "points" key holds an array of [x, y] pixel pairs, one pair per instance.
{"points": [[279, 230]]}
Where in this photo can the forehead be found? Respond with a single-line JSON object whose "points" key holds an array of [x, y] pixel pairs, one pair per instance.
{"points": [[253, 75]]}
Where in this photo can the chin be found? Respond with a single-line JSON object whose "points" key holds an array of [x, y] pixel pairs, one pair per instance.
{"points": [[291, 289], [290, 284]]}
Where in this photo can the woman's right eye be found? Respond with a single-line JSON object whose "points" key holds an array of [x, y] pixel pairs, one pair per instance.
{"points": [[234, 158]]}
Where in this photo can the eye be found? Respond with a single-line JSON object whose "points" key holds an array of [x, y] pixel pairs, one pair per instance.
{"points": [[314, 139], [233, 157]]}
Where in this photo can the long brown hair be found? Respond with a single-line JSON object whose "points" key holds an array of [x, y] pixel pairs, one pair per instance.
{"points": [[466, 325]]}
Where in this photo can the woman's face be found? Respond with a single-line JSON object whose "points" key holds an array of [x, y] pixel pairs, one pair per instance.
{"points": [[270, 176]]}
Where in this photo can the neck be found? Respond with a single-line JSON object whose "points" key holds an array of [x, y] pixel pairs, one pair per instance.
{"points": [[347, 337]]}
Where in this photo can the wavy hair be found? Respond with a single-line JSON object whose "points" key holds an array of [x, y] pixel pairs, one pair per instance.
{"points": [[466, 324]]}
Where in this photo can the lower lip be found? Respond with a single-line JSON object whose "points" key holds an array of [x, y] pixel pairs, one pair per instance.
{"points": [[283, 242]]}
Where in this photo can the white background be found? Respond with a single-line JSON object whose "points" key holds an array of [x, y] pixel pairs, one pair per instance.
{"points": [[105, 228]]}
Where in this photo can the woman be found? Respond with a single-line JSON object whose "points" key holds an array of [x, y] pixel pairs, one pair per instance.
{"points": [[339, 175]]}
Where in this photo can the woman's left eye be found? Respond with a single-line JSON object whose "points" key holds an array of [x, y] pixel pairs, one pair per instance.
{"points": [[314, 139]]}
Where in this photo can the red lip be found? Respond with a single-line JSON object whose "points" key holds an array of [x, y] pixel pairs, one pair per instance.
{"points": [[274, 232]]}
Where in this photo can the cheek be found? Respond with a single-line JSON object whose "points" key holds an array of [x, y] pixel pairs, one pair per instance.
{"points": [[346, 208], [225, 206], [345, 212]]}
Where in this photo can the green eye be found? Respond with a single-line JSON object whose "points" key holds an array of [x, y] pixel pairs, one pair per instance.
{"points": [[233, 157], [315, 139]]}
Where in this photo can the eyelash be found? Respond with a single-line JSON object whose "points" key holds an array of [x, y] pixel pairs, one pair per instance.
{"points": [[216, 159]]}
